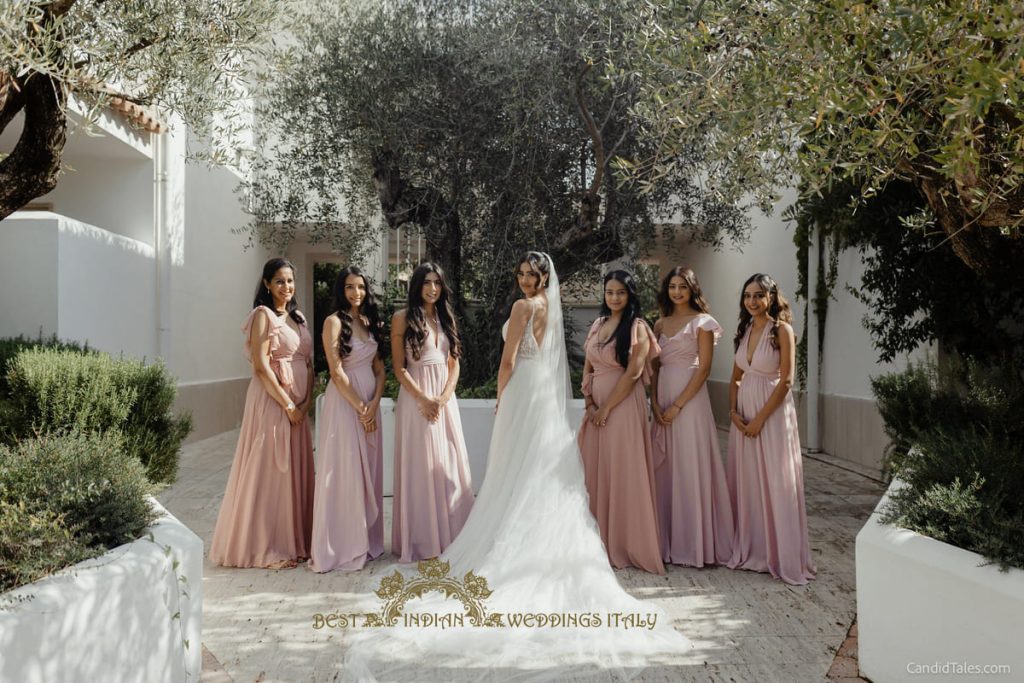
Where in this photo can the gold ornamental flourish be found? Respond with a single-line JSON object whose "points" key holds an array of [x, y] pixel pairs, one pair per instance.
{"points": [[395, 591]]}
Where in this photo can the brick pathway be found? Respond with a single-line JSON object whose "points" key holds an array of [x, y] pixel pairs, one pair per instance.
{"points": [[257, 624]]}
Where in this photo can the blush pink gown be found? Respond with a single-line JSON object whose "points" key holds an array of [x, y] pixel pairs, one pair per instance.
{"points": [[766, 477], [348, 507], [694, 511], [267, 512], [433, 493], [617, 460]]}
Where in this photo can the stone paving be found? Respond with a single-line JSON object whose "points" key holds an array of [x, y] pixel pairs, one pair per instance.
{"points": [[258, 624]]}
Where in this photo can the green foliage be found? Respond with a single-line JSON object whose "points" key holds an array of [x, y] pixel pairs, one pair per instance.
{"points": [[55, 390], [830, 90], [65, 498], [958, 444], [12, 346], [916, 289], [34, 544], [187, 57], [461, 122]]}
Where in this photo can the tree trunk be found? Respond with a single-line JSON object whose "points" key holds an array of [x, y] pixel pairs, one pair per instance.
{"points": [[403, 203], [31, 169], [982, 249]]}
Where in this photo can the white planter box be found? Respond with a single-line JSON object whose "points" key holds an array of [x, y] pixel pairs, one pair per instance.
{"points": [[477, 423], [926, 607], [123, 616]]}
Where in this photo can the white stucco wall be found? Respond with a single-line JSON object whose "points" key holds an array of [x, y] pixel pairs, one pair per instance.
{"points": [[213, 279], [124, 205], [77, 281]]}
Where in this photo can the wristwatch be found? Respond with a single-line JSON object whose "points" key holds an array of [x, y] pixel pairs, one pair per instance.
{"points": [[290, 407]]}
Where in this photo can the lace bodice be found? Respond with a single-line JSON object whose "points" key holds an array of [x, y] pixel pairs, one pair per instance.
{"points": [[528, 343]]}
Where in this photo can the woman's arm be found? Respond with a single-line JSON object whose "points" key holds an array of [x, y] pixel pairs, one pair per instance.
{"points": [[655, 371], [428, 406], [734, 391], [634, 370], [454, 368], [787, 361], [259, 352], [517, 320], [705, 354]]}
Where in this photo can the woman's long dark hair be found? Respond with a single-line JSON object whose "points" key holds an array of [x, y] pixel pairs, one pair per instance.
{"points": [[778, 309], [624, 332], [697, 301], [416, 324], [343, 309], [263, 297]]}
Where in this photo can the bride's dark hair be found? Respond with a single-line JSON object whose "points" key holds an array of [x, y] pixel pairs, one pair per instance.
{"points": [[623, 335], [538, 262]]}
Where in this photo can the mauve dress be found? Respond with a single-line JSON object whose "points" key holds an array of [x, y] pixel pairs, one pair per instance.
{"points": [[348, 507], [766, 479], [433, 493], [694, 511], [617, 459], [267, 512]]}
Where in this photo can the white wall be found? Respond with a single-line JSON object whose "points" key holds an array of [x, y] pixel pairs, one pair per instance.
{"points": [[212, 277], [77, 281], [123, 206], [850, 357], [28, 297], [722, 273]]}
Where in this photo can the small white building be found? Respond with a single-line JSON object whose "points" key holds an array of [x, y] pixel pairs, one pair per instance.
{"points": [[133, 252]]}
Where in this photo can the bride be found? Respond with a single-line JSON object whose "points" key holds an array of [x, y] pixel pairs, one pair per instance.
{"points": [[530, 535]]}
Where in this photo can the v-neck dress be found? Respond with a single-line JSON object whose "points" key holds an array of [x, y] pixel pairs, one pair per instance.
{"points": [[433, 491], [765, 473], [348, 507]]}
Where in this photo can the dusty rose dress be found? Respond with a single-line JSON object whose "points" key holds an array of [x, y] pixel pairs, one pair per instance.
{"points": [[694, 511], [617, 460], [433, 493], [267, 512], [348, 507], [766, 478]]}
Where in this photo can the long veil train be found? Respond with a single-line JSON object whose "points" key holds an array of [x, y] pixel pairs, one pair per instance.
{"points": [[532, 537]]}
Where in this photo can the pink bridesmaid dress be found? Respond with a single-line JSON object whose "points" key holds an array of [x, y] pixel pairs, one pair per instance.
{"points": [[267, 512], [433, 493], [348, 508], [694, 510], [617, 460], [766, 477]]}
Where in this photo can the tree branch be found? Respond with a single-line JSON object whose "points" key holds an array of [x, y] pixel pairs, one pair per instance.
{"points": [[31, 168]]}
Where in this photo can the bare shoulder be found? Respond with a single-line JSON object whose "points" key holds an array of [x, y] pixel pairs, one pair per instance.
{"points": [[398, 318], [522, 308], [786, 330], [332, 321], [658, 325]]}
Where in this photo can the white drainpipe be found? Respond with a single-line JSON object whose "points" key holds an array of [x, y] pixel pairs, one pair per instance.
{"points": [[813, 444], [161, 246]]}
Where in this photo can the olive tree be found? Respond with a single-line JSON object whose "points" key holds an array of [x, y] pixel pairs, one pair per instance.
{"points": [[819, 92], [177, 56]]}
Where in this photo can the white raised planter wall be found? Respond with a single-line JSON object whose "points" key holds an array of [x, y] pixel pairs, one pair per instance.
{"points": [[477, 422], [928, 608], [123, 616]]}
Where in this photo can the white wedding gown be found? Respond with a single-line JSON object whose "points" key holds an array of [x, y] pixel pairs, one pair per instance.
{"points": [[532, 537]]}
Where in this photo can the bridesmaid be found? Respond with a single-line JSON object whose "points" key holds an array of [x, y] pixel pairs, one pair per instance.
{"points": [[765, 468], [266, 516], [694, 512], [348, 508], [615, 440], [432, 491]]}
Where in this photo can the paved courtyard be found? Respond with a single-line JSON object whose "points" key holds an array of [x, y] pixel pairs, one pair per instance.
{"points": [[258, 624]]}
